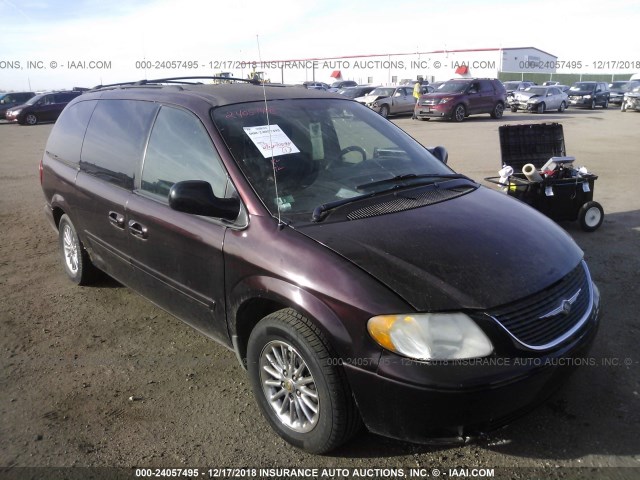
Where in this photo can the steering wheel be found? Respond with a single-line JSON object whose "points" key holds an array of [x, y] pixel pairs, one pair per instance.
{"points": [[354, 148]]}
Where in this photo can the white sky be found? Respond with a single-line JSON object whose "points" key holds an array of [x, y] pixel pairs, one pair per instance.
{"points": [[123, 31]]}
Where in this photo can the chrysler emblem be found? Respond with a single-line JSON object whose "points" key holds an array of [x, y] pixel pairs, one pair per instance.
{"points": [[564, 307]]}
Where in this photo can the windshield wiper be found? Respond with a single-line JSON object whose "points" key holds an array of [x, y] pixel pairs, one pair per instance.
{"points": [[320, 210], [411, 176]]}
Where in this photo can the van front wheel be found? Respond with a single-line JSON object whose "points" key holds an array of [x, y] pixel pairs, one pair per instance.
{"points": [[299, 386]]}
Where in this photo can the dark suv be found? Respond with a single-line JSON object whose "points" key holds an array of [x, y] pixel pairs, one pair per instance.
{"points": [[589, 94], [354, 274], [41, 108], [8, 100], [459, 98]]}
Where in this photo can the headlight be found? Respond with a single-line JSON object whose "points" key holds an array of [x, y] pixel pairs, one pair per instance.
{"points": [[533, 100], [430, 336], [14, 112], [446, 99], [587, 97], [374, 104]]}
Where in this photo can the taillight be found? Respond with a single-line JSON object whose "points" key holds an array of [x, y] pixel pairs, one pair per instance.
{"points": [[40, 171]]}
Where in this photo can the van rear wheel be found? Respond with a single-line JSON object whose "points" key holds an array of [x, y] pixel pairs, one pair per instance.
{"points": [[75, 258], [299, 386]]}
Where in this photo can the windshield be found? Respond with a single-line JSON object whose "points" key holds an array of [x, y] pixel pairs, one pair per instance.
{"points": [[383, 92], [33, 100], [453, 87], [324, 150], [582, 87], [351, 92]]}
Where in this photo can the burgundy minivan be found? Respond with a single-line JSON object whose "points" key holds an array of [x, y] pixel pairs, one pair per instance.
{"points": [[357, 278]]}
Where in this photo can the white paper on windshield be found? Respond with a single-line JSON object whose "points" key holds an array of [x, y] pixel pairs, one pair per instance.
{"points": [[271, 140]]}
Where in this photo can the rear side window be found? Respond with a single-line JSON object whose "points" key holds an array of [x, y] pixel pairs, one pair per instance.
{"points": [[115, 140], [66, 138], [180, 149]]}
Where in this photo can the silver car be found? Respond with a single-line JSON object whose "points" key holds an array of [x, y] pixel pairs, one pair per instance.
{"points": [[390, 100], [540, 99]]}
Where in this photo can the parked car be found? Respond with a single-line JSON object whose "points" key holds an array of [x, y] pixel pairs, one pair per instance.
{"points": [[316, 85], [589, 94], [459, 98], [356, 92], [335, 86], [353, 273], [631, 99], [550, 83], [540, 99], [41, 108], [11, 99], [516, 86], [617, 90], [390, 100]]}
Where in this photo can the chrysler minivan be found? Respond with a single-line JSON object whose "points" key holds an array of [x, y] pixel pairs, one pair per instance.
{"points": [[357, 278]]}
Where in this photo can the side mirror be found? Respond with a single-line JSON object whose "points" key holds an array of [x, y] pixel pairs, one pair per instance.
{"points": [[196, 197], [440, 153]]}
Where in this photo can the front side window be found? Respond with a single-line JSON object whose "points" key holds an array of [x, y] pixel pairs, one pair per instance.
{"points": [[180, 149], [313, 152]]}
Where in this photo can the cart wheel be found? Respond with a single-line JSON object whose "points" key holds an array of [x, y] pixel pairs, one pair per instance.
{"points": [[591, 216]]}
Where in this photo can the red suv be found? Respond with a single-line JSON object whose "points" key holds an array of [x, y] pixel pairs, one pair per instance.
{"points": [[459, 98]]}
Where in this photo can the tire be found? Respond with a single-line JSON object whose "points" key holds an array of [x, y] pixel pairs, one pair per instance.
{"points": [[459, 112], [318, 410], [75, 258], [31, 119], [606, 103], [591, 215], [623, 106], [498, 111], [562, 108], [593, 104], [384, 111], [514, 109], [541, 108]]}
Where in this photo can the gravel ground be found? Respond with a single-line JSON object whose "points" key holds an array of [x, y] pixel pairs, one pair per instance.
{"points": [[99, 377]]}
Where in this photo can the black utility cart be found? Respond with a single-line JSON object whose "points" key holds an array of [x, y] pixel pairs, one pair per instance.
{"points": [[560, 191]]}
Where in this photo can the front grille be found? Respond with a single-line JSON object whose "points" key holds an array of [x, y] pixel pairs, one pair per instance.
{"points": [[529, 320], [429, 102], [407, 203]]}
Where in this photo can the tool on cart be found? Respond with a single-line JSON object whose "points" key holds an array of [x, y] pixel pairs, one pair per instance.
{"points": [[537, 171]]}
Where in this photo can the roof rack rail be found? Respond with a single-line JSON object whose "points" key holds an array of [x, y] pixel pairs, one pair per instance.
{"points": [[177, 81]]}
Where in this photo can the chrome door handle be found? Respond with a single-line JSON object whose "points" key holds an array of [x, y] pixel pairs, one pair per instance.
{"points": [[137, 229]]}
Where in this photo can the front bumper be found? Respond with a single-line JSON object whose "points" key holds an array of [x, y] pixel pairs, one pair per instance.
{"points": [[433, 111], [615, 99], [578, 101], [421, 402], [631, 103], [11, 117], [528, 107]]}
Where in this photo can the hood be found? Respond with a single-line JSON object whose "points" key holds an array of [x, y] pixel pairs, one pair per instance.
{"points": [[476, 251], [525, 95], [441, 95], [372, 98]]}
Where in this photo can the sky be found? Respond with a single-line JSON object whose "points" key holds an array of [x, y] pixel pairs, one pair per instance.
{"points": [[49, 44]]}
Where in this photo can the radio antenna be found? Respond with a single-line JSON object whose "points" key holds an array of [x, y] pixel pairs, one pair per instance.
{"points": [[266, 111]]}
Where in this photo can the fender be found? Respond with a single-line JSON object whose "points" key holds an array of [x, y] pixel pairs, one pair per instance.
{"points": [[278, 291]]}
